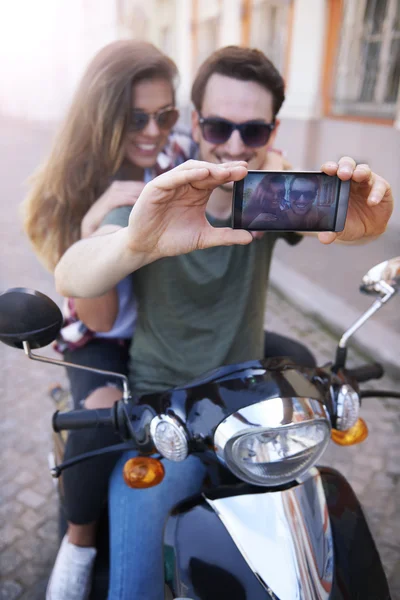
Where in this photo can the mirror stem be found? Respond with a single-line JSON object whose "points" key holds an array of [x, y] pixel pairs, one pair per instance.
{"points": [[52, 361], [341, 353]]}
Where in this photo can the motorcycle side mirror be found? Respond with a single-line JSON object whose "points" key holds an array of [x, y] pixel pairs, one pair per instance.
{"points": [[31, 320], [379, 277], [28, 316], [383, 281]]}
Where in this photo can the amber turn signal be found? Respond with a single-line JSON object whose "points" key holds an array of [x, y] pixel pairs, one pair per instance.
{"points": [[143, 472], [355, 435]]}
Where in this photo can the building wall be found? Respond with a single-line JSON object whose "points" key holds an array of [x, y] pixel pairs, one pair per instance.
{"points": [[308, 143]]}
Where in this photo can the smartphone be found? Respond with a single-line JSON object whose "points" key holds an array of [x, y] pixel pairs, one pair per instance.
{"points": [[290, 201]]}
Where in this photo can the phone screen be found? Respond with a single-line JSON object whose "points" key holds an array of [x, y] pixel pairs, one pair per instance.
{"points": [[287, 201]]}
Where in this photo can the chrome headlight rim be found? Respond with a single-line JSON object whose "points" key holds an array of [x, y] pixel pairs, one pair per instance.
{"points": [[305, 411], [233, 425]]}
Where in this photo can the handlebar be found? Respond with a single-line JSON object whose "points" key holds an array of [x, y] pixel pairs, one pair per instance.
{"points": [[82, 419], [366, 372]]}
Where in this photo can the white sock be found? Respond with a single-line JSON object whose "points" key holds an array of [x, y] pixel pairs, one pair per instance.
{"points": [[71, 577]]}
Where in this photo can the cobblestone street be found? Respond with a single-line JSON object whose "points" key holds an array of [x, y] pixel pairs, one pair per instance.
{"points": [[28, 503]]}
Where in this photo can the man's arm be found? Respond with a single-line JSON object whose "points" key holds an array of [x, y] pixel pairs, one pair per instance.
{"points": [[168, 219], [93, 266], [99, 314]]}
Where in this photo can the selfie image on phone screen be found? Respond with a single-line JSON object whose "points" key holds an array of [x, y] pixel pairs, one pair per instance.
{"points": [[302, 201]]}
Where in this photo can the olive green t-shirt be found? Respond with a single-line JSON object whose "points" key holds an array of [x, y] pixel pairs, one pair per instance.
{"points": [[198, 311]]}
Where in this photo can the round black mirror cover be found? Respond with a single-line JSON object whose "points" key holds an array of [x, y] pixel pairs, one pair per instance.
{"points": [[28, 316]]}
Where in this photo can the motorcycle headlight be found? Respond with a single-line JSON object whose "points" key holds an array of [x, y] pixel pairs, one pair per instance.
{"points": [[348, 408], [274, 441]]}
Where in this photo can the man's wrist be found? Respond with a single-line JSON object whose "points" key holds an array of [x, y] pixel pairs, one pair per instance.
{"points": [[132, 256]]}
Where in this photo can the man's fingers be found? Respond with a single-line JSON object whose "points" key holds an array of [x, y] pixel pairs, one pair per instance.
{"points": [[327, 237], [362, 173], [207, 177], [346, 168], [224, 236], [177, 178], [380, 188], [257, 235], [343, 169], [330, 167], [219, 174], [197, 164]]}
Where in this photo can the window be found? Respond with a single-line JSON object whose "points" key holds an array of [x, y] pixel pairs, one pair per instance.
{"points": [[207, 39], [269, 29], [206, 27], [368, 67]]}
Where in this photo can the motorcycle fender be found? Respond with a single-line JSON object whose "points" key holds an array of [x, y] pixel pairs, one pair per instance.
{"points": [[201, 559], [266, 545], [359, 572], [308, 542]]}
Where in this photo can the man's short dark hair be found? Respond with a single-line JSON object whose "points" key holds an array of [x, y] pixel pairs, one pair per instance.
{"points": [[309, 178], [245, 64]]}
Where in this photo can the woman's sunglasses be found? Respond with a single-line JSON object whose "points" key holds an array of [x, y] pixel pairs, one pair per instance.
{"points": [[165, 118], [218, 131]]}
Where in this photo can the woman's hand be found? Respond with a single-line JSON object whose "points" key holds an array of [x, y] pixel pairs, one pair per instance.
{"points": [[120, 193], [370, 202], [169, 217]]}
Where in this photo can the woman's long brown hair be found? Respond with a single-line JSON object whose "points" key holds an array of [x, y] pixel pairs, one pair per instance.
{"points": [[89, 148]]}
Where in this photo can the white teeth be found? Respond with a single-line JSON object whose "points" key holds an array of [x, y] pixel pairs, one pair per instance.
{"points": [[229, 159], [146, 146]]}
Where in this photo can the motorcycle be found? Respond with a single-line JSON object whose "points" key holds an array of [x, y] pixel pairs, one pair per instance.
{"points": [[282, 528]]}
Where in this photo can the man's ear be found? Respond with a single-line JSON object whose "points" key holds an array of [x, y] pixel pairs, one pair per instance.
{"points": [[196, 132]]}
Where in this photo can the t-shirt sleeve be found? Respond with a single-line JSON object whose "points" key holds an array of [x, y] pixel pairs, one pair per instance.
{"points": [[118, 216], [291, 237]]}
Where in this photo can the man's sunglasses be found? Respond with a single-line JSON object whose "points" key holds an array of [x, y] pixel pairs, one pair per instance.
{"points": [[218, 131], [165, 118]]}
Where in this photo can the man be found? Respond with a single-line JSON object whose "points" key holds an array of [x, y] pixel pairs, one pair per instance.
{"points": [[303, 211], [200, 285]]}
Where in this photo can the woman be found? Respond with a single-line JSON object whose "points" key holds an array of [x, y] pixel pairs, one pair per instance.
{"points": [[116, 137], [265, 204]]}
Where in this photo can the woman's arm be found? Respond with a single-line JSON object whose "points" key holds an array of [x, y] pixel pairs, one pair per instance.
{"points": [[99, 314]]}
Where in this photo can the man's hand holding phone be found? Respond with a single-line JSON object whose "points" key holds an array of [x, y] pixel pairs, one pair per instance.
{"points": [[343, 201], [169, 217], [370, 202]]}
